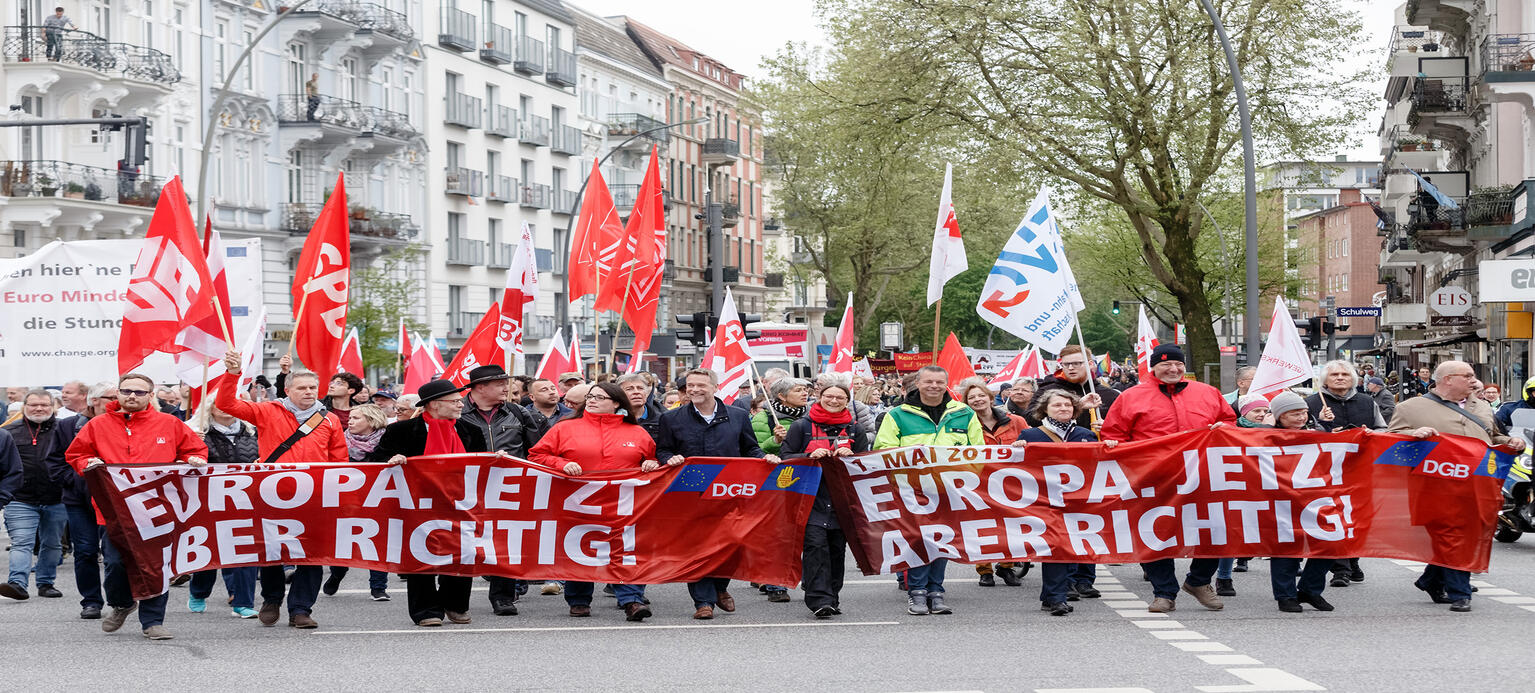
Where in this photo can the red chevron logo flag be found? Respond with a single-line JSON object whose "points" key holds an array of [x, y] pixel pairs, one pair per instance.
{"points": [[483, 348], [729, 355], [521, 292], [1145, 343], [598, 235], [634, 287], [321, 286], [841, 360], [170, 288], [203, 342]]}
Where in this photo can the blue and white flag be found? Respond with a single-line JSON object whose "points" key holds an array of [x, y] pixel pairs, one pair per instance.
{"points": [[1031, 291], [1443, 200]]}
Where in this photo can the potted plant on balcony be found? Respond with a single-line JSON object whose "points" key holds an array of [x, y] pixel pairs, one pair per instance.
{"points": [[93, 192], [359, 212], [74, 191], [1410, 143], [47, 186]]}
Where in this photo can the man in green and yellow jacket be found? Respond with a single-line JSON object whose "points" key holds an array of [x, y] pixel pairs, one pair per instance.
{"points": [[929, 417]]}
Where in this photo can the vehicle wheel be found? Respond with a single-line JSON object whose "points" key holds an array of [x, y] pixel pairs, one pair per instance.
{"points": [[1507, 536]]}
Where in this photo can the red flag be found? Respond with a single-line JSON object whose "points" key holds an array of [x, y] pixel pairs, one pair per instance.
{"points": [[424, 364], [321, 286], [1027, 364], [842, 352], [635, 286], [729, 356], [203, 341], [249, 352], [481, 349], [954, 360], [170, 288], [594, 246], [557, 360], [404, 340], [351, 355], [521, 291]]}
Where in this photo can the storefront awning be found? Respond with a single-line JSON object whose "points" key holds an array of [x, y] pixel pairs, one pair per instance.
{"points": [[1441, 341]]}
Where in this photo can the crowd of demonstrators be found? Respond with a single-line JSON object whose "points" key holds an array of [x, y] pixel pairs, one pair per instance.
{"points": [[34, 503], [364, 429], [1074, 375], [1293, 585], [506, 427], [229, 441]]}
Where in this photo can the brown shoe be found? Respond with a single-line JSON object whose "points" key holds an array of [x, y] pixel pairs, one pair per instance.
{"points": [[726, 602], [429, 622], [636, 611], [269, 613], [1206, 596], [458, 617], [1161, 605], [302, 621], [704, 613], [580, 610]]}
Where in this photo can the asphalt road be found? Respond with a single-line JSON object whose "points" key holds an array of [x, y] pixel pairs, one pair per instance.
{"points": [[1384, 636]]}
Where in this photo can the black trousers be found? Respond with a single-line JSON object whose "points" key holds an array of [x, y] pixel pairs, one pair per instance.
{"points": [[432, 596], [823, 559], [502, 590]]}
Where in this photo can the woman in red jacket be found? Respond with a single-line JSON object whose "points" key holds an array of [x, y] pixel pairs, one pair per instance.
{"points": [[600, 435]]}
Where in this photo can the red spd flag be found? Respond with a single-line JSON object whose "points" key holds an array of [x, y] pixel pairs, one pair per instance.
{"points": [[634, 287], [321, 286], [521, 292], [598, 235], [351, 355], [954, 360], [474, 514], [1220, 493], [170, 287], [842, 352], [558, 359], [481, 349], [729, 356]]}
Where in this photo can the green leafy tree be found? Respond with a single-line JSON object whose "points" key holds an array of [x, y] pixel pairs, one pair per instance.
{"points": [[381, 293]]}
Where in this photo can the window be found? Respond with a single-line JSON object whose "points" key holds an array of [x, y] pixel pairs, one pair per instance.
{"points": [[552, 39], [147, 33], [220, 45], [297, 75], [455, 155], [351, 89], [386, 81], [295, 176], [493, 168], [178, 147], [455, 226], [248, 78], [521, 20], [559, 258], [456, 301], [19, 238], [494, 229]]}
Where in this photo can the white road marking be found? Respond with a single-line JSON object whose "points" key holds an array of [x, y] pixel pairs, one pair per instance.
{"points": [[1495, 592], [1092, 690], [1229, 659], [1514, 599], [1177, 635], [1528, 608], [541, 629], [1138, 613], [1158, 625], [1201, 647], [1264, 679]]}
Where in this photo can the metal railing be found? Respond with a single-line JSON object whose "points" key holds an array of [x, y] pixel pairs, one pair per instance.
{"points": [[1439, 95], [463, 322], [328, 110], [1508, 53], [730, 214], [1490, 208], [501, 189], [375, 17], [500, 45], [1401, 138], [463, 251], [567, 140], [564, 202], [30, 44], [624, 196], [463, 110], [458, 31], [624, 125], [503, 122], [382, 121], [1416, 38], [720, 148], [562, 67], [44, 178], [364, 222], [463, 181], [1427, 214], [500, 256], [530, 55], [536, 195], [535, 130]]}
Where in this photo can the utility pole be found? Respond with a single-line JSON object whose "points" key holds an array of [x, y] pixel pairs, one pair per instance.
{"points": [[713, 219]]}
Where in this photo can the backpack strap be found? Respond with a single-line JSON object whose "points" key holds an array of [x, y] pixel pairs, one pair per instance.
{"points": [[313, 422]]}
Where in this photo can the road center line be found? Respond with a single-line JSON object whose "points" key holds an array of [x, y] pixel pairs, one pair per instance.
{"points": [[548, 629]]}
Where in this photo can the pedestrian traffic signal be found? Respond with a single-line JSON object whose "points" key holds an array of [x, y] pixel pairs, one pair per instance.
{"points": [[1314, 330], [697, 331], [1115, 309]]}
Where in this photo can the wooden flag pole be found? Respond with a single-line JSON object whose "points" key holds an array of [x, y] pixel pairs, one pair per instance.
{"points": [[1091, 385], [622, 309], [766, 402], [297, 319], [937, 313], [229, 342]]}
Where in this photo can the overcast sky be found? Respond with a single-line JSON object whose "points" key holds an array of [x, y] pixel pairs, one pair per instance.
{"points": [[740, 34]]}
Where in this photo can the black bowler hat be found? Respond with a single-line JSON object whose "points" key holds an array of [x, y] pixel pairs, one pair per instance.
{"points": [[437, 389], [1167, 352], [485, 374]]}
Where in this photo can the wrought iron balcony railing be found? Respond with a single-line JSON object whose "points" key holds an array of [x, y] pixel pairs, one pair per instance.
{"points": [[45, 178], [26, 44]]}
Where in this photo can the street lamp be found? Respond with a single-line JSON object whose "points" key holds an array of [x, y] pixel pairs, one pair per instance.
{"points": [[562, 308]]}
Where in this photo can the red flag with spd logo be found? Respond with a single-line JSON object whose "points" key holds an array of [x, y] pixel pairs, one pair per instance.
{"points": [[170, 288], [321, 286]]}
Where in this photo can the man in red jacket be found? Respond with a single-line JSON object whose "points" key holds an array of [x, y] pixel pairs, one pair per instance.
{"points": [[133, 432], [296, 428], [1163, 405]]}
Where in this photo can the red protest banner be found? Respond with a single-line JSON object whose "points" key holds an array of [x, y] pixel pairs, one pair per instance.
{"points": [[911, 363], [1224, 493], [472, 514]]}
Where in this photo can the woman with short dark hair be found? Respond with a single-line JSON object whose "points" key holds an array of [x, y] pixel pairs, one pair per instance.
{"points": [[1057, 411]]}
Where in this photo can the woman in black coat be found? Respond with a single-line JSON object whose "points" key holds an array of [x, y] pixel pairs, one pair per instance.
{"points": [[1057, 412], [827, 429]]}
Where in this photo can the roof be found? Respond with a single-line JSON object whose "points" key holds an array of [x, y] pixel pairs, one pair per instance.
{"points": [[553, 8], [665, 49], [610, 41]]}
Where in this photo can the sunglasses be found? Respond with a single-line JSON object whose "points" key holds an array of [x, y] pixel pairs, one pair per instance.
{"points": [[133, 393]]}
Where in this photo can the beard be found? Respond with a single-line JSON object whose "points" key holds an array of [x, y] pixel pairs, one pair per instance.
{"points": [[38, 418]]}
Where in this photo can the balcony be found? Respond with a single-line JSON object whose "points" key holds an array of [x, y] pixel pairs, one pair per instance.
{"points": [[500, 256], [458, 30], [730, 214], [462, 323], [535, 131], [375, 18], [463, 181], [530, 56], [462, 251], [1508, 68], [502, 189], [26, 44], [669, 271], [503, 122], [562, 67], [394, 125], [319, 120], [60, 180], [1489, 213], [463, 110], [1400, 251], [773, 280], [1444, 15], [500, 45], [567, 140], [565, 202], [1438, 103], [626, 125], [624, 197], [366, 223], [536, 196], [719, 151]]}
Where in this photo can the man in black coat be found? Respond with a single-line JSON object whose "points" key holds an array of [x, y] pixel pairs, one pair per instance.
{"points": [[85, 535], [35, 512], [507, 428], [1337, 406], [705, 427], [431, 597]]}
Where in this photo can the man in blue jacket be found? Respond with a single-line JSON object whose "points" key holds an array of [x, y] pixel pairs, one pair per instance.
{"points": [[705, 427]]}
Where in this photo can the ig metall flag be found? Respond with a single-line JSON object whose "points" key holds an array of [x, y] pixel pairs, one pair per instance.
{"points": [[1031, 291]]}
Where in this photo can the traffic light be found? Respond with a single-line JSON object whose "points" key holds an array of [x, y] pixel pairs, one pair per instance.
{"points": [[697, 331], [136, 143], [748, 319], [1115, 309], [1314, 330]]}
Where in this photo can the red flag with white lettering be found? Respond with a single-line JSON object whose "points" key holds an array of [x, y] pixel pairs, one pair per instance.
{"points": [[203, 342], [521, 292], [842, 352], [635, 286], [598, 234], [321, 286], [170, 288], [481, 349]]}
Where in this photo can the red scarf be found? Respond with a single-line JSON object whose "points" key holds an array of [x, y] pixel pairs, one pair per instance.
{"points": [[441, 438], [839, 424]]}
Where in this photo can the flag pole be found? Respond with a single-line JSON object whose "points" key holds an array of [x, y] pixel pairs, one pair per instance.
{"points": [[937, 313], [229, 342], [1092, 388], [622, 309], [297, 319], [768, 404]]}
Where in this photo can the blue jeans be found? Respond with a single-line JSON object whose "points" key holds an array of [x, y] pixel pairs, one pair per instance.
{"points": [[1164, 575], [239, 582], [705, 591], [1084, 574], [85, 536], [28, 523], [927, 577], [377, 579], [120, 595], [1455, 583], [1055, 580], [1313, 578], [580, 593], [301, 594], [1223, 568]]}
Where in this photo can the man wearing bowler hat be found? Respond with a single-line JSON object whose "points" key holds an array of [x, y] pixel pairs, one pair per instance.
{"points": [[507, 428], [440, 430]]}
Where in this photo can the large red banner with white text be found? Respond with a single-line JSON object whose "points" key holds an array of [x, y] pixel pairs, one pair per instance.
{"points": [[1226, 492], [471, 514]]}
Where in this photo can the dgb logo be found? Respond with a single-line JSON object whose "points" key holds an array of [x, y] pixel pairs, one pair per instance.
{"points": [[1448, 470], [732, 490]]}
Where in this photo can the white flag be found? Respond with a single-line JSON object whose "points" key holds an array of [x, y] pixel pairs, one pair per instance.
{"points": [[948, 259], [1145, 343], [729, 355], [1286, 361], [1031, 292], [521, 291]]}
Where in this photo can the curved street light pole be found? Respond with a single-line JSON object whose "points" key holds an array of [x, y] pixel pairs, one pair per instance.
{"points": [[562, 308], [1250, 182]]}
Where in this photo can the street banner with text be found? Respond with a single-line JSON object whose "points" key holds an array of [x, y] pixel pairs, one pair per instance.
{"points": [[469, 514], [1219, 493]]}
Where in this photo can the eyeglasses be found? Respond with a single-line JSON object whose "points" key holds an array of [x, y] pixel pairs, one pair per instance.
{"points": [[133, 393], [1073, 364], [598, 398]]}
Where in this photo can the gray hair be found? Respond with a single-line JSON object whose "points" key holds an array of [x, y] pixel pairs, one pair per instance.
{"points": [[774, 374], [409, 400], [782, 386], [1345, 366], [101, 388], [634, 377], [37, 392], [827, 379], [1246, 372], [1026, 381]]}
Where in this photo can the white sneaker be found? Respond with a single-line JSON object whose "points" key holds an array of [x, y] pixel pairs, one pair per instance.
{"points": [[552, 588]]}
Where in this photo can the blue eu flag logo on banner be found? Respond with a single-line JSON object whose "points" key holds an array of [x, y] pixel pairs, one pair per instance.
{"points": [[1407, 453], [696, 477]]}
